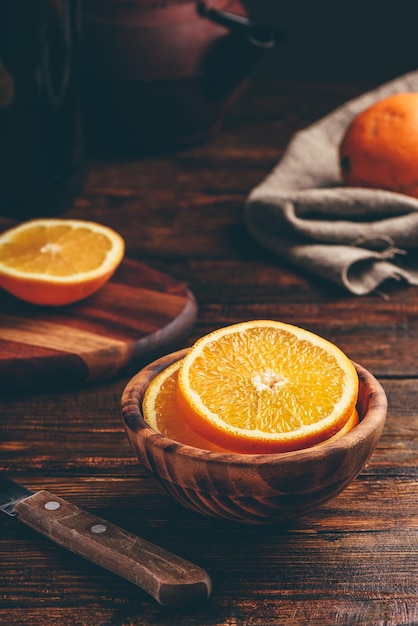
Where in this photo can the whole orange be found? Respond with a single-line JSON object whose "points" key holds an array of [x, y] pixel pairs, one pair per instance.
{"points": [[380, 146]]}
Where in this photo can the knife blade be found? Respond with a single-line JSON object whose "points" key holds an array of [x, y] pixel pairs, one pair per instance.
{"points": [[168, 578]]}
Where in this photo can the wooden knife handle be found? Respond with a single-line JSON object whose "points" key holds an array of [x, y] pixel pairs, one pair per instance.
{"points": [[171, 580]]}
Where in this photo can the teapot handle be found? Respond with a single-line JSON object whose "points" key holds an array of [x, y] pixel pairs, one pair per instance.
{"points": [[259, 34]]}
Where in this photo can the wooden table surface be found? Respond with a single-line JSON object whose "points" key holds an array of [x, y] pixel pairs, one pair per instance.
{"points": [[353, 561]]}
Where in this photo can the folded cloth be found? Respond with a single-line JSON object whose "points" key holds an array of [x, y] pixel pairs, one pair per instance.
{"points": [[356, 237]]}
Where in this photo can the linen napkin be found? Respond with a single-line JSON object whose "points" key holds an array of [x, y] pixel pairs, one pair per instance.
{"points": [[301, 211]]}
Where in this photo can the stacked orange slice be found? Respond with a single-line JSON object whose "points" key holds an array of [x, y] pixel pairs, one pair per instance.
{"points": [[256, 387]]}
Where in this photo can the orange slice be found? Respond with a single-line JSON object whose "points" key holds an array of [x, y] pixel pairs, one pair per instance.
{"points": [[58, 261], [351, 423], [162, 414], [266, 386]]}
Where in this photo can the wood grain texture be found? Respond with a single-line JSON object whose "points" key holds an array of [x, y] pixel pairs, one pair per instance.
{"points": [[169, 579], [138, 313], [352, 561], [253, 488]]}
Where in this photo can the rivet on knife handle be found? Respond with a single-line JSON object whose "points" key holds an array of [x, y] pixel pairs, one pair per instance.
{"points": [[168, 578]]}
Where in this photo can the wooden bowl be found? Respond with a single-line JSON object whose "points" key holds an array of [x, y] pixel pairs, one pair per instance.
{"points": [[259, 488]]}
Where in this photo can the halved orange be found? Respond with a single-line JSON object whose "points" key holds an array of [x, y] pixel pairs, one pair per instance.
{"points": [[266, 386], [58, 261], [161, 412]]}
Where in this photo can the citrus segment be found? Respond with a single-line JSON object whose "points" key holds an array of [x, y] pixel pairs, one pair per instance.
{"points": [[351, 423], [162, 414], [58, 261], [266, 386], [380, 146]]}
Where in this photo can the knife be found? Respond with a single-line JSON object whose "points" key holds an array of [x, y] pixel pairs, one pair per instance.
{"points": [[168, 578]]}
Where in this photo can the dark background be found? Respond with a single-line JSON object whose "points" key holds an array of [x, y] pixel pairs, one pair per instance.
{"points": [[341, 39]]}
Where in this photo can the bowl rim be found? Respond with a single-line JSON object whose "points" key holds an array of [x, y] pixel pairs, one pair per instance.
{"points": [[371, 423]]}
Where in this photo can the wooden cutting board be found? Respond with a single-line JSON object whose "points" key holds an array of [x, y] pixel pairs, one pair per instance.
{"points": [[138, 315]]}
